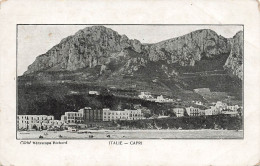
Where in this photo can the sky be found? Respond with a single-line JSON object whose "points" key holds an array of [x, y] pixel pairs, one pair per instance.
{"points": [[34, 40]]}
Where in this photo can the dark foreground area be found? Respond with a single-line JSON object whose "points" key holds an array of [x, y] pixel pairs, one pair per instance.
{"points": [[216, 122]]}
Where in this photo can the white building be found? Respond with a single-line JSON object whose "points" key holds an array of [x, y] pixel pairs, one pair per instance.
{"points": [[161, 99], [191, 111], [109, 115], [233, 107], [93, 93], [220, 106], [145, 95], [230, 112], [72, 117], [179, 112], [34, 121], [202, 112], [198, 103], [208, 112], [213, 110]]}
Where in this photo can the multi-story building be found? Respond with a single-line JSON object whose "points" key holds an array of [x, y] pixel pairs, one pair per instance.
{"points": [[233, 107], [83, 115], [34, 121], [179, 112], [109, 115], [72, 117], [191, 111], [90, 115]]}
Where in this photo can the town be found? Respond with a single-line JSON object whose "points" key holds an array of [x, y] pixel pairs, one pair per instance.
{"points": [[94, 118]]}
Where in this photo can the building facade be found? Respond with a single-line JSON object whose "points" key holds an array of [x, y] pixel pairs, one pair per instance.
{"points": [[145, 95], [37, 122], [93, 93], [191, 111], [220, 106], [72, 117], [201, 112], [83, 115], [90, 115], [208, 112], [110, 115], [161, 99], [179, 112], [233, 107]]}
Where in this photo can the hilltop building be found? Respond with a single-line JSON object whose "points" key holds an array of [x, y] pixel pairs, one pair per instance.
{"points": [[145, 95], [198, 103], [201, 90], [93, 93], [161, 99]]}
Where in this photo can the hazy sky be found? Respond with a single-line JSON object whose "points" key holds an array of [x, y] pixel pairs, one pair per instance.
{"points": [[34, 40]]}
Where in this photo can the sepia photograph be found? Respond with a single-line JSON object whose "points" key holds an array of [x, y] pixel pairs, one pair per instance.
{"points": [[129, 81]]}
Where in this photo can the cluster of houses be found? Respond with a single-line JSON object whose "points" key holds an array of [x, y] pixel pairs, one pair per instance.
{"points": [[82, 116], [37, 122], [158, 99], [218, 108], [87, 114]]}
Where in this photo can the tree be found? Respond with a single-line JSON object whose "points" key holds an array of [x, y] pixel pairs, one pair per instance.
{"points": [[34, 127], [185, 113], [239, 111]]}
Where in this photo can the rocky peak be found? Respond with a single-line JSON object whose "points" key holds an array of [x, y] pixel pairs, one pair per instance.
{"points": [[98, 45], [234, 63], [189, 48], [87, 48]]}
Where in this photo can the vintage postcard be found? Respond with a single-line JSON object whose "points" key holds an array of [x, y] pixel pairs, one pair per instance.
{"points": [[129, 83], [185, 81]]}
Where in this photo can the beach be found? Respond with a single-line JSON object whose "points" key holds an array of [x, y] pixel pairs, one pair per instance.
{"points": [[133, 134]]}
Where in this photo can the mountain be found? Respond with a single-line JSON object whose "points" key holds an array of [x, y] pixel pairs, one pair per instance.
{"points": [[89, 47], [99, 45], [234, 63], [98, 58]]}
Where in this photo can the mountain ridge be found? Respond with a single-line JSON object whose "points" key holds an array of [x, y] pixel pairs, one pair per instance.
{"points": [[98, 45]]}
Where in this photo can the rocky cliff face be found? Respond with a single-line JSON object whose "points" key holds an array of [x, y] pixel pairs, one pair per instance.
{"points": [[188, 49], [87, 48], [234, 63], [102, 46]]}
